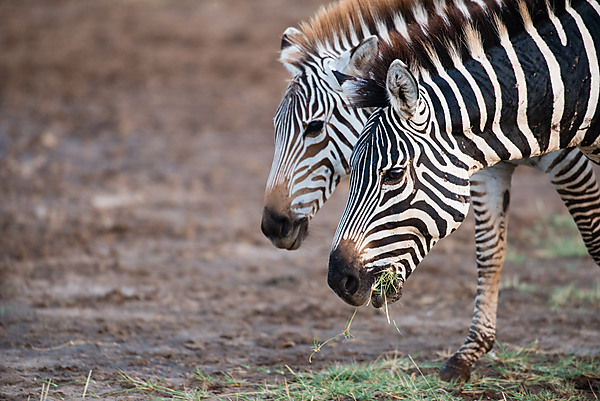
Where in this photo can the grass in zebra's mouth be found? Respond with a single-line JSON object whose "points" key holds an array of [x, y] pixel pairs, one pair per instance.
{"points": [[386, 289]]}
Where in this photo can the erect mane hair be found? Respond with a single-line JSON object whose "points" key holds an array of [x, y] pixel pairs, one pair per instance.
{"points": [[443, 43], [343, 19], [350, 21]]}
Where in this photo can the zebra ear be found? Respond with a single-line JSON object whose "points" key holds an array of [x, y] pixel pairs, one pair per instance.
{"points": [[402, 89], [290, 50], [355, 61]]}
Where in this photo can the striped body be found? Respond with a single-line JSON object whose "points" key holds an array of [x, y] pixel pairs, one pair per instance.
{"points": [[530, 94], [309, 163], [530, 90]]}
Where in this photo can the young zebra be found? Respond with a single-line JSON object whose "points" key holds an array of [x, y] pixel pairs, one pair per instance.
{"points": [[521, 80]]}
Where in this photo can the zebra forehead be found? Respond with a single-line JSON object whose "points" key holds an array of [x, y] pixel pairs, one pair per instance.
{"points": [[301, 89], [367, 139], [381, 149], [294, 94]]}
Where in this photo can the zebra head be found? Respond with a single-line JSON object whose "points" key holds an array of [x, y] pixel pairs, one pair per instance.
{"points": [[406, 193], [314, 136]]}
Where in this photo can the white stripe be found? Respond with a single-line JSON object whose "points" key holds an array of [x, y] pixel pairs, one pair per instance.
{"points": [[344, 41], [382, 31], [481, 3], [365, 28], [462, 7], [440, 10], [478, 95], [558, 89], [353, 35], [421, 17], [401, 28], [557, 24], [590, 52], [522, 122]]}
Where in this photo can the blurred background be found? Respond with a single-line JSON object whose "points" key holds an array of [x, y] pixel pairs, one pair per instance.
{"points": [[135, 142]]}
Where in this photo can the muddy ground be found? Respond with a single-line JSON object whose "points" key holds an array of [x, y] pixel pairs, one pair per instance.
{"points": [[135, 142]]}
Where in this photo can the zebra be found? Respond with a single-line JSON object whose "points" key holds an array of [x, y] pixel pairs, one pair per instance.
{"points": [[465, 94]]}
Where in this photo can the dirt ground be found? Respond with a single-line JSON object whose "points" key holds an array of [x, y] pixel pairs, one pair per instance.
{"points": [[135, 142]]}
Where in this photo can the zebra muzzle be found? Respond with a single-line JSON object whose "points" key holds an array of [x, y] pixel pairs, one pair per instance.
{"points": [[284, 231], [347, 278]]}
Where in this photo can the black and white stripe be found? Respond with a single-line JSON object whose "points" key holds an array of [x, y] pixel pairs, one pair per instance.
{"points": [[307, 166], [530, 88]]}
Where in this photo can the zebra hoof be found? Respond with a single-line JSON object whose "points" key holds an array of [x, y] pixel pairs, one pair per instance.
{"points": [[452, 371]]}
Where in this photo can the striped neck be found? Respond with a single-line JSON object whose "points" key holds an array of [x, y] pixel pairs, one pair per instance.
{"points": [[534, 93]]}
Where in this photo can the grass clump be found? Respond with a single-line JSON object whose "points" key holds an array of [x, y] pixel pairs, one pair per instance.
{"points": [[509, 373], [528, 374], [385, 281]]}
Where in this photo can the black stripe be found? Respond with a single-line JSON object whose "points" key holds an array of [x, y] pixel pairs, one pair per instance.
{"points": [[539, 87], [510, 99]]}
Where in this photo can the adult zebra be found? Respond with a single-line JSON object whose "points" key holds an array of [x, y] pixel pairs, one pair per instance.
{"points": [[519, 81]]}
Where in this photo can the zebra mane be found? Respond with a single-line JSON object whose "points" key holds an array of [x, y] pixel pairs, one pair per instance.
{"points": [[344, 23], [449, 39]]}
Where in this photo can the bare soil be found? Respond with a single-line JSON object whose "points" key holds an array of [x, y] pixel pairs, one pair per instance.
{"points": [[135, 142]]}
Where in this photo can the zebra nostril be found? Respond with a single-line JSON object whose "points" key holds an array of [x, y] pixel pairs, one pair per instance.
{"points": [[345, 275], [350, 284]]}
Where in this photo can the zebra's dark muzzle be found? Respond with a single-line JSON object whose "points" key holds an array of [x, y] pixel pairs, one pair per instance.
{"points": [[346, 277], [284, 231], [354, 283]]}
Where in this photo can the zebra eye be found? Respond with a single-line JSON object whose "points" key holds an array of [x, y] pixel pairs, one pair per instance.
{"points": [[392, 176], [313, 128]]}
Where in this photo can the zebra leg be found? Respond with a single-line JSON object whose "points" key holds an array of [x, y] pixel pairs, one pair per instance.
{"points": [[490, 198], [573, 178]]}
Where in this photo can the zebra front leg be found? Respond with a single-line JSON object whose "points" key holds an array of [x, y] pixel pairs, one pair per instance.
{"points": [[490, 197]]}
